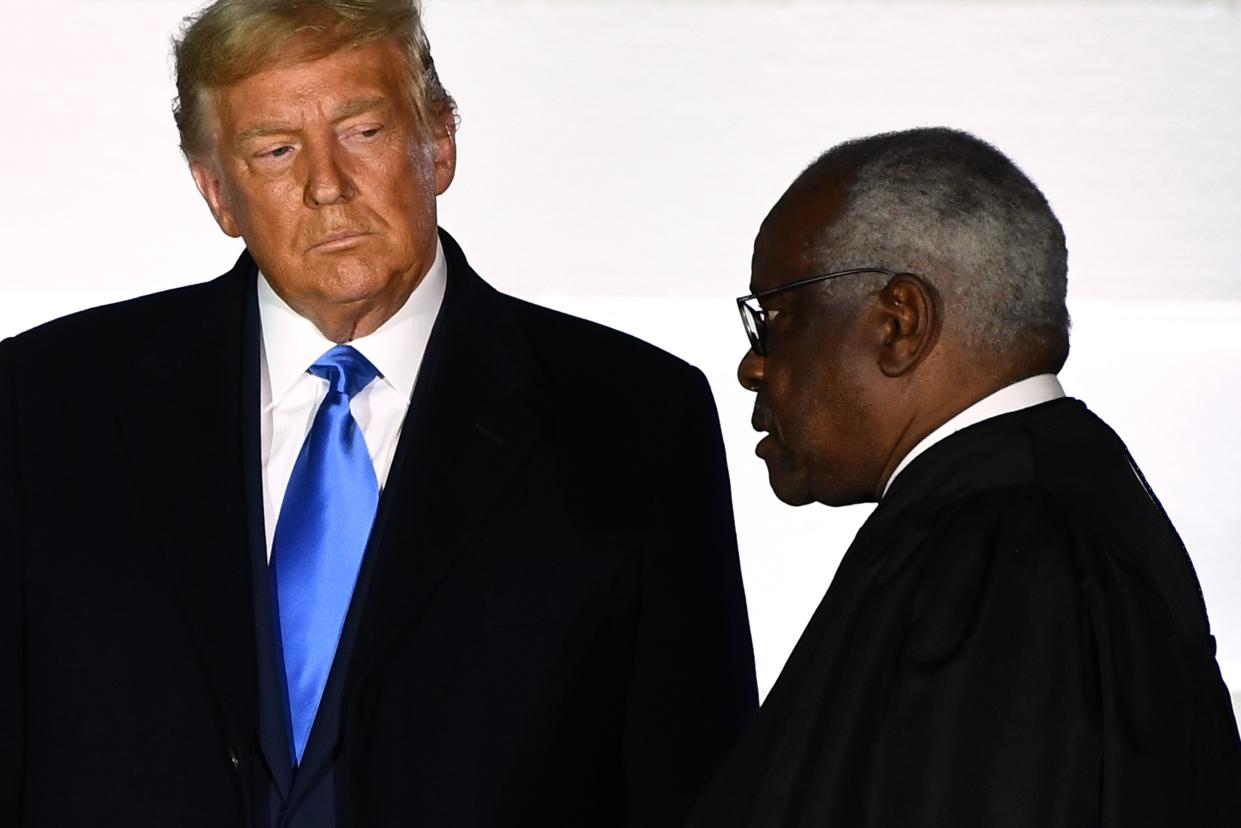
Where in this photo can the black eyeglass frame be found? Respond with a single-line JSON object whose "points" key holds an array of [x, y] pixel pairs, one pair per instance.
{"points": [[754, 318]]}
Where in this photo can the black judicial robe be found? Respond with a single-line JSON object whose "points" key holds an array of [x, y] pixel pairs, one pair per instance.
{"points": [[1016, 637]]}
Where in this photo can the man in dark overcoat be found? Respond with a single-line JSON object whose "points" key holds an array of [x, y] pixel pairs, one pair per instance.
{"points": [[346, 537]]}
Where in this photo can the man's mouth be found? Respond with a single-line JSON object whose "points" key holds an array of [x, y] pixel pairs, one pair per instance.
{"points": [[338, 240], [761, 421]]}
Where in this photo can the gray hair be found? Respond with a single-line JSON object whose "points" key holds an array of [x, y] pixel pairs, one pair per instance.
{"points": [[952, 208]]}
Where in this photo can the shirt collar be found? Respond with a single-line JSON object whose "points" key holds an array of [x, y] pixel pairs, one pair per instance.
{"points": [[291, 342], [1022, 394]]}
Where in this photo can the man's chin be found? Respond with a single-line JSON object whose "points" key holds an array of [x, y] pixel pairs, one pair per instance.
{"points": [[352, 281], [360, 293], [790, 488], [795, 487]]}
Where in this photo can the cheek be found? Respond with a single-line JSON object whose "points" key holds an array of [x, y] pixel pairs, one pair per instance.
{"points": [[266, 209], [813, 428], [797, 389], [821, 413], [408, 188]]}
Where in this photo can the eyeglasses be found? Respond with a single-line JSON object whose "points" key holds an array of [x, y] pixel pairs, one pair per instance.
{"points": [[754, 316]]}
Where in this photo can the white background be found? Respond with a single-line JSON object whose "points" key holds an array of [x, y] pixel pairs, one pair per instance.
{"points": [[617, 157]]}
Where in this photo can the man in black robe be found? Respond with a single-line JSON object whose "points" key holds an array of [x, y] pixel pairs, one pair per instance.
{"points": [[1016, 637]]}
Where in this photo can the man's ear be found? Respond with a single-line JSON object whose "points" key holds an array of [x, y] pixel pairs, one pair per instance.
{"points": [[208, 180], [910, 310], [444, 137]]}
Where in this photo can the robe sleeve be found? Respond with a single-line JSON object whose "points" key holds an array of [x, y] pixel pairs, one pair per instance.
{"points": [[1041, 682]]}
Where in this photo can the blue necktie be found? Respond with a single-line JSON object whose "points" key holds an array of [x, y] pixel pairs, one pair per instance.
{"points": [[324, 524]]}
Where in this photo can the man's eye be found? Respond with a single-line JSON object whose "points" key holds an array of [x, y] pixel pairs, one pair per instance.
{"points": [[275, 152]]}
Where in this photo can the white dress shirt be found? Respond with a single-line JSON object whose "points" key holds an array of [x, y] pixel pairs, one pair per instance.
{"points": [[290, 395], [1022, 394]]}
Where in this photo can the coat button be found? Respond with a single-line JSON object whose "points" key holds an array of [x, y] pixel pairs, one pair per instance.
{"points": [[232, 757]]}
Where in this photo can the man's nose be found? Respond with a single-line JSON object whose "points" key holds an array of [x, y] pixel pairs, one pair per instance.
{"points": [[327, 181], [750, 371]]}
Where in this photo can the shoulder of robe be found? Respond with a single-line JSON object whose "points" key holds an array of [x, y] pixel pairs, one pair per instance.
{"points": [[1010, 557]]}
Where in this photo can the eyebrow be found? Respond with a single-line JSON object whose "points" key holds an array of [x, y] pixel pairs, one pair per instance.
{"points": [[348, 110], [353, 108]]}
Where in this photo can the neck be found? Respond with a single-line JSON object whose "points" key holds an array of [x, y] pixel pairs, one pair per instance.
{"points": [[930, 403], [914, 431], [983, 403], [342, 325]]}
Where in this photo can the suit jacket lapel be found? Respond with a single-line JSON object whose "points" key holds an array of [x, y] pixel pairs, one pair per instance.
{"points": [[467, 431], [181, 415]]}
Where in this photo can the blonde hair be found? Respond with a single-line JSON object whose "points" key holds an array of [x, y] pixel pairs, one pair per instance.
{"points": [[229, 40]]}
